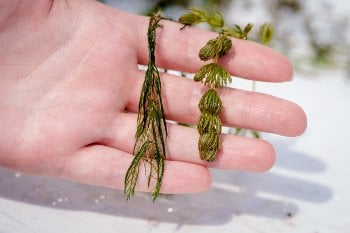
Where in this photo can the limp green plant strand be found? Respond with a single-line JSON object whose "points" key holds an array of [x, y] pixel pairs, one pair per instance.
{"points": [[149, 147]]}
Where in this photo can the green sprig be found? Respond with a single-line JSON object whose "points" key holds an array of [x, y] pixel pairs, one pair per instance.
{"points": [[210, 102], [238, 32], [209, 145], [266, 33], [217, 47], [149, 147], [196, 16], [213, 75], [209, 125]]}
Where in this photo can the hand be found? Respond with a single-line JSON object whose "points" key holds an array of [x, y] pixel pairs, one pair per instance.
{"points": [[70, 88]]}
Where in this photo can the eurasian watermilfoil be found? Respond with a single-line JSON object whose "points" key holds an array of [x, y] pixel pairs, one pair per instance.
{"points": [[151, 130]]}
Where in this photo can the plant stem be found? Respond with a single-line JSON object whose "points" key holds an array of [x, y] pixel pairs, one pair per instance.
{"points": [[149, 147]]}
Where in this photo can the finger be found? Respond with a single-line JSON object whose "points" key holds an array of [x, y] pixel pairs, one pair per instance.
{"points": [[179, 50], [237, 152], [104, 166], [242, 109]]}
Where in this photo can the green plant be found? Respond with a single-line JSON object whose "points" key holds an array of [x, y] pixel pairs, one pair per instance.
{"points": [[214, 76], [149, 147]]}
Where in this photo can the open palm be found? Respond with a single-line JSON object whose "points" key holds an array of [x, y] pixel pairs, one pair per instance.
{"points": [[70, 87]]}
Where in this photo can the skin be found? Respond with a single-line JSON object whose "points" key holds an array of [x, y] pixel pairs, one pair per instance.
{"points": [[70, 88]]}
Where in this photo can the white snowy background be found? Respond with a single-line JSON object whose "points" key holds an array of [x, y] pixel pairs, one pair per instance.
{"points": [[306, 192]]}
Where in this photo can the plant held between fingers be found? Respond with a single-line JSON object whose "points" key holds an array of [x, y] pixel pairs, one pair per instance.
{"points": [[214, 76], [149, 147]]}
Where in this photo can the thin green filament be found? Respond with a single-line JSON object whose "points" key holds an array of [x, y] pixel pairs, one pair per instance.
{"points": [[149, 147]]}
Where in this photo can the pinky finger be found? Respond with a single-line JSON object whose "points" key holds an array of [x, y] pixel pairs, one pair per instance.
{"points": [[105, 166]]}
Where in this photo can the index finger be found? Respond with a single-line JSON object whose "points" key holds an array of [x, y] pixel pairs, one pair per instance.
{"points": [[178, 50]]}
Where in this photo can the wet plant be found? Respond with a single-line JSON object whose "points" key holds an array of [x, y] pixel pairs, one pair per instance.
{"points": [[149, 149], [214, 76]]}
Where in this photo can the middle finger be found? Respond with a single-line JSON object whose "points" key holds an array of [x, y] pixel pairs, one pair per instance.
{"points": [[243, 109], [236, 153]]}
